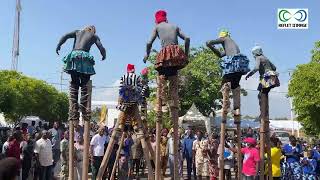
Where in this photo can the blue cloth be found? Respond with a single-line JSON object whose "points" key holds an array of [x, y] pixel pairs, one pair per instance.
{"points": [[292, 154], [310, 167], [127, 146], [316, 155], [187, 146]]}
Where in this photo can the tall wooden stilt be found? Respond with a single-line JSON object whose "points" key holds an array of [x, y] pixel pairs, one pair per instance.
{"points": [[86, 137], [265, 118], [225, 107], [262, 102], [236, 93], [158, 171], [114, 169], [174, 108], [116, 131], [71, 150]]}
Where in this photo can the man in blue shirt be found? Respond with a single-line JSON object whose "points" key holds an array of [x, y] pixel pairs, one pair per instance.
{"points": [[187, 151]]}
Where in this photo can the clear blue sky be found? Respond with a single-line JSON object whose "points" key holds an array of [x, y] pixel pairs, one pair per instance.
{"points": [[125, 26]]}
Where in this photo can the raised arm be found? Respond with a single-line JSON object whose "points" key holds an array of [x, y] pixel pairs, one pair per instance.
{"points": [[64, 39], [149, 44], [186, 40], [101, 48], [210, 44]]}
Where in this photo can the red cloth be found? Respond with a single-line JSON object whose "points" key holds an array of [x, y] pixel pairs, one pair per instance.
{"points": [[130, 68], [250, 140], [14, 150], [161, 16], [145, 71]]}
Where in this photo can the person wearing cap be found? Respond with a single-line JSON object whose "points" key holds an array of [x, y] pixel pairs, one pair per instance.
{"points": [[251, 159], [44, 158], [79, 64]]}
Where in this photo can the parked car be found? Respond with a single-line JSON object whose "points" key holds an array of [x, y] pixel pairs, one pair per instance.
{"points": [[283, 136]]}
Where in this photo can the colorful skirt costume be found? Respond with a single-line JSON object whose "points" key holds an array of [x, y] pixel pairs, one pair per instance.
{"points": [[238, 63], [171, 56], [79, 61], [269, 80]]}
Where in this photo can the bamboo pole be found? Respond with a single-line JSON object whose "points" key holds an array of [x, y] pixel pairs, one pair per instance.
{"points": [[225, 107], [86, 137], [158, 127], [112, 177]]}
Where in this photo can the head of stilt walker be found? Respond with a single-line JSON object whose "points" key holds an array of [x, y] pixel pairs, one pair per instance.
{"points": [[145, 72], [130, 68], [257, 50], [224, 33], [90, 28], [161, 16]]}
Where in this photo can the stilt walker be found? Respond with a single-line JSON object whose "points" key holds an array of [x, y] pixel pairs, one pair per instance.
{"points": [[79, 64], [234, 65], [130, 96], [268, 80], [169, 60]]}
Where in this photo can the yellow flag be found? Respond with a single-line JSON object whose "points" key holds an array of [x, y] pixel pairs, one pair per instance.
{"points": [[103, 114]]}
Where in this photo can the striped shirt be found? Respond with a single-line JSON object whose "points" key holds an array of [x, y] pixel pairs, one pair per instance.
{"points": [[130, 79]]}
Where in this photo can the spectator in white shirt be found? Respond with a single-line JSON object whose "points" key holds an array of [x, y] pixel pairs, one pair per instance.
{"points": [[97, 146], [43, 151]]}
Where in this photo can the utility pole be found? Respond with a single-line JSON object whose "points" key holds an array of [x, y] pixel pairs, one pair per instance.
{"points": [[16, 36], [291, 105]]}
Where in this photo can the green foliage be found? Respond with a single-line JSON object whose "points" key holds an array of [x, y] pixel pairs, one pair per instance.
{"points": [[305, 89], [22, 96]]}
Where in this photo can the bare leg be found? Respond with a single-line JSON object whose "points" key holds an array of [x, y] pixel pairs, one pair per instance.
{"points": [[174, 108], [225, 108], [160, 81]]}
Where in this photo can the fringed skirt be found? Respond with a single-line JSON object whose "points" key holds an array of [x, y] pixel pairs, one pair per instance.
{"points": [[171, 56], [79, 61]]}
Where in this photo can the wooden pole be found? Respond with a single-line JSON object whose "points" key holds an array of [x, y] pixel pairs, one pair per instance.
{"points": [[71, 149], [225, 107], [86, 137], [112, 177], [117, 130], [267, 126], [158, 127], [262, 133], [239, 155], [174, 108]]}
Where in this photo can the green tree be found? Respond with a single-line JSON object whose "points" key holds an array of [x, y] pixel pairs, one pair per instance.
{"points": [[305, 90], [22, 96]]}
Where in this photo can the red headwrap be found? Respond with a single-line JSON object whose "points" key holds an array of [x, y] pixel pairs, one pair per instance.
{"points": [[130, 68], [161, 16], [250, 140]]}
